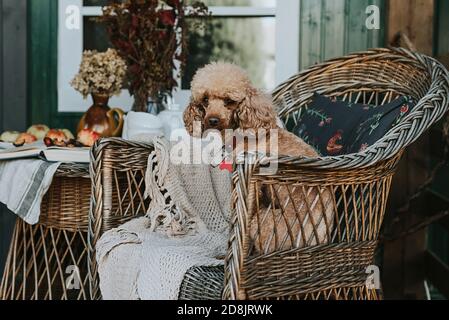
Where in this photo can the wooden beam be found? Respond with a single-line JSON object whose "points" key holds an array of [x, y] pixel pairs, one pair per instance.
{"points": [[392, 264], [404, 259], [415, 18]]}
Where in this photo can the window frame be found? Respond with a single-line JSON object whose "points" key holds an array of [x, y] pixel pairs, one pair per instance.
{"points": [[70, 48]]}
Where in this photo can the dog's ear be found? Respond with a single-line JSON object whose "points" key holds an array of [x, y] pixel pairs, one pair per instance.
{"points": [[256, 111], [193, 118]]}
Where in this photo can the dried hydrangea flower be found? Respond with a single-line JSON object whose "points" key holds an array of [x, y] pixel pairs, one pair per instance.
{"points": [[100, 73]]}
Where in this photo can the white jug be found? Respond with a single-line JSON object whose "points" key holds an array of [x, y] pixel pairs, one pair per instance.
{"points": [[138, 124], [171, 119]]}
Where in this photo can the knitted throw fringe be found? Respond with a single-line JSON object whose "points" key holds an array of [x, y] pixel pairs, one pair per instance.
{"points": [[163, 212]]}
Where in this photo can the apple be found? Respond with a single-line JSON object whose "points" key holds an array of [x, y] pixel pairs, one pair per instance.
{"points": [[58, 136], [9, 136], [25, 138], [88, 137], [38, 130], [68, 134]]}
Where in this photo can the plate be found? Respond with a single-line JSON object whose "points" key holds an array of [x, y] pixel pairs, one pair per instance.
{"points": [[8, 145]]}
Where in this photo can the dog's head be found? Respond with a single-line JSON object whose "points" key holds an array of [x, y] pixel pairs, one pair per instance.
{"points": [[224, 98]]}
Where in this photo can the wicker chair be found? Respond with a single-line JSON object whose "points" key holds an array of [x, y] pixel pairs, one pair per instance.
{"points": [[40, 256], [359, 185]]}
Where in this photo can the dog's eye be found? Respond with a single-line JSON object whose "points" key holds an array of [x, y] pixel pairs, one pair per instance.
{"points": [[228, 101], [206, 99]]}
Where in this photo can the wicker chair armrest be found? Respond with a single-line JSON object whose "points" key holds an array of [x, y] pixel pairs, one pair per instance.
{"points": [[242, 197], [117, 172], [370, 183], [242, 201]]}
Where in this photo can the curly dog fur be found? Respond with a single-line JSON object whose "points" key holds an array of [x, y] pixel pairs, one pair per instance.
{"points": [[224, 98]]}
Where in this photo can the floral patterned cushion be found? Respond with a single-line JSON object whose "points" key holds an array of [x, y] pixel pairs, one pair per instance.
{"points": [[335, 127]]}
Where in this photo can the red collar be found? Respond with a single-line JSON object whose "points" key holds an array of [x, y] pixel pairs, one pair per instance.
{"points": [[226, 166]]}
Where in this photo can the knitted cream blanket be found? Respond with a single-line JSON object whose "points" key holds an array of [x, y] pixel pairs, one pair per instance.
{"points": [[186, 225]]}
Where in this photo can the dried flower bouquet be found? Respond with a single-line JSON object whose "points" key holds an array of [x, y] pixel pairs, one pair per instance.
{"points": [[151, 35], [100, 73]]}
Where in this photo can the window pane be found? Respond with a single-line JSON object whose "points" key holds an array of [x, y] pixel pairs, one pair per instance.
{"points": [[243, 3], [248, 42], [211, 3], [98, 3], [94, 35]]}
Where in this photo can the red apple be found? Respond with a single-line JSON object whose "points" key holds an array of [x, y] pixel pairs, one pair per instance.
{"points": [[58, 136], [25, 138], [88, 137]]}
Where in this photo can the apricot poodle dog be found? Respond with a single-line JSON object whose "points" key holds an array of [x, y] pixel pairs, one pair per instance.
{"points": [[224, 98]]}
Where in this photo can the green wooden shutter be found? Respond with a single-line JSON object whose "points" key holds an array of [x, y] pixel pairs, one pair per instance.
{"points": [[332, 28], [42, 67], [442, 13]]}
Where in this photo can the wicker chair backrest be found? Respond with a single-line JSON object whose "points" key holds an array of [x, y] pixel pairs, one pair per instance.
{"points": [[376, 76]]}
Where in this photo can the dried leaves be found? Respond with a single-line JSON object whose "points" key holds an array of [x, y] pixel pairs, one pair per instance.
{"points": [[151, 35]]}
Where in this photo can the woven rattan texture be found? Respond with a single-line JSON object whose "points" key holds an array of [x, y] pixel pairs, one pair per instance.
{"points": [[359, 184], [355, 186], [48, 261]]}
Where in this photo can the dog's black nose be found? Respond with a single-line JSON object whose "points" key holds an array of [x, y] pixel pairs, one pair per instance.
{"points": [[213, 122]]}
